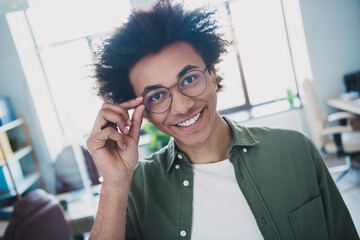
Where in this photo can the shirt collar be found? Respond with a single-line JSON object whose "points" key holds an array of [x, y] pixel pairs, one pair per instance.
{"points": [[171, 153], [241, 137]]}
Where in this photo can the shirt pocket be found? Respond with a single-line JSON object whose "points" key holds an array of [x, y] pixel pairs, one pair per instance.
{"points": [[308, 221]]}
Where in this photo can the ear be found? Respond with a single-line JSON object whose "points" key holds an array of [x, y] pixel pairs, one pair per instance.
{"points": [[212, 73], [212, 70]]}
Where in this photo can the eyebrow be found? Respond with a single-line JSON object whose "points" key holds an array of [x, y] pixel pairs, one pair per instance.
{"points": [[150, 88], [186, 69]]}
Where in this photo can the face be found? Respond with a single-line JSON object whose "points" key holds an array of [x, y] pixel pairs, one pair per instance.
{"points": [[189, 120]]}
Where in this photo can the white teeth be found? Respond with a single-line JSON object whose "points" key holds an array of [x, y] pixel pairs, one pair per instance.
{"points": [[190, 122]]}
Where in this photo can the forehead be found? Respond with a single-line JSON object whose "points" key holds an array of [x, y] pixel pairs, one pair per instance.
{"points": [[162, 68]]}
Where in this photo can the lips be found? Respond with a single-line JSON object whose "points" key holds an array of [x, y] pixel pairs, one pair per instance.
{"points": [[190, 121]]}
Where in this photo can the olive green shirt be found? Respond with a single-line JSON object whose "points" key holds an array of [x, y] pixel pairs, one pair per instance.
{"points": [[280, 172]]}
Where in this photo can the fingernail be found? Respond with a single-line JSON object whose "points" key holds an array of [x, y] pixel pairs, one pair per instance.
{"points": [[128, 122], [138, 98], [123, 146], [126, 130]]}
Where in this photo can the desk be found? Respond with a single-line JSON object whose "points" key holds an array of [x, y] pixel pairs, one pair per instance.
{"points": [[352, 106], [81, 210]]}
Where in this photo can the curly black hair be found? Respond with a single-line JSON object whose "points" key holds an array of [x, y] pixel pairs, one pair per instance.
{"points": [[148, 32]]}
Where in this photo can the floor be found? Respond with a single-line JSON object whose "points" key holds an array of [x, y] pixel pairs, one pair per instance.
{"points": [[349, 187]]}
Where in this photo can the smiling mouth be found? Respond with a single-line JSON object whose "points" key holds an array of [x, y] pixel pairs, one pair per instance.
{"points": [[190, 121]]}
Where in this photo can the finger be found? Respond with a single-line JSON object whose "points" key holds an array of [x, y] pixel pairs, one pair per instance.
{"points": [[131, 103], [111, 119], [122, 109], [107, 118], [116, 109], [99, 140], [137, 117], [102, 122]]}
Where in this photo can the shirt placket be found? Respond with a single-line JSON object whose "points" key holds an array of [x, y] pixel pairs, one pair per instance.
{"points": [[186, 196], [251, 193]]}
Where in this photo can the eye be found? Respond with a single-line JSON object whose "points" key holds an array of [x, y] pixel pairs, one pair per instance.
{"points": [[157, 96], [189, 80]]}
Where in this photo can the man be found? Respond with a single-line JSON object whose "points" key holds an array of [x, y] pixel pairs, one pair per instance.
{"points": [[215, 179]]}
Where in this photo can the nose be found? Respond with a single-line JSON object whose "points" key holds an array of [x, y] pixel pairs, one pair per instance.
{"points": [[180, 103]]}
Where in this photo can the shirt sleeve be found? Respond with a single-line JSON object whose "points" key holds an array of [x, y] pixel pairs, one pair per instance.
{"points": [[338, 219]]}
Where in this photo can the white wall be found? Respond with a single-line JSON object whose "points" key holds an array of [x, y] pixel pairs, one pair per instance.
{"points": [[14, 85], [332, 29]]}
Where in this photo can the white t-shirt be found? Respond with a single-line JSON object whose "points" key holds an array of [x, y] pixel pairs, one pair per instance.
{"points": [[220, 210]]}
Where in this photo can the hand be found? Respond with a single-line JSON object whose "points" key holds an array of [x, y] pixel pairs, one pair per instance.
{"points": [[116, 153]]}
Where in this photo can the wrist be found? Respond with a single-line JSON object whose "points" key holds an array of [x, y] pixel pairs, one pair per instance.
{"points": [[110, 186]]}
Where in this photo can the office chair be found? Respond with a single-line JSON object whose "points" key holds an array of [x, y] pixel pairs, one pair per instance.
{"points": [[67, 172], [37, 216], [328, 135]]}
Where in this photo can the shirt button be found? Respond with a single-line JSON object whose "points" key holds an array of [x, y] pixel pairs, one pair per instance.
{"points": [[244, 150], [179, 156], [263, 220], [177, 166], [186, 183], [183, 233]]}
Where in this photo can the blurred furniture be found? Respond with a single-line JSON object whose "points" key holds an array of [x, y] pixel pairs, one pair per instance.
{"points": [[81, 210], [352, 105], [18, 163], [68, 177], [77, 181], [327, 134], [37, 216], [352, 82]]}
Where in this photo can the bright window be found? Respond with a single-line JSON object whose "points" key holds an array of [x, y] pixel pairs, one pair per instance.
{"points": [[56, 21], [63, 32], [65, 67], [263, 48]]}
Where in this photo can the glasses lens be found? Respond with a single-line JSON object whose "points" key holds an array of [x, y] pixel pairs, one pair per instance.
{"points": [[158, 100], [193, 83]]}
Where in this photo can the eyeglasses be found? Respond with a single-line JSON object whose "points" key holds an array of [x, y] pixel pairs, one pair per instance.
{"points": [[192, 84]]}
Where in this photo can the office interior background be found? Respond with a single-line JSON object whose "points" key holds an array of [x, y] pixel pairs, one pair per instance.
{"points": [[46, 49]]}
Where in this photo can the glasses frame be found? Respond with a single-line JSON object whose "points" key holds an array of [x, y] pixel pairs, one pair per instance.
{"points": [[180, 90]]}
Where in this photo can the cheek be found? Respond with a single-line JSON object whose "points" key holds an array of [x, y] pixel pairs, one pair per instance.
{"points": [[211, 93], [155, 119], [146, 115]]}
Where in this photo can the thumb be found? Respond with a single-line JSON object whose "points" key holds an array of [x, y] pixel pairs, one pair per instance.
{"points": [[137, 117]]}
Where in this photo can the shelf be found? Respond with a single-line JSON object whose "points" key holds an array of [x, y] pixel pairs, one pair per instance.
{"points": [[25, 179], [11, 125], [10, 197], [6, 213], [18, 154], [28, 181]]}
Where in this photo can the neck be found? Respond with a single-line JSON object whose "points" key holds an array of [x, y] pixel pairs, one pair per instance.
{"points": [[215, 148]]}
